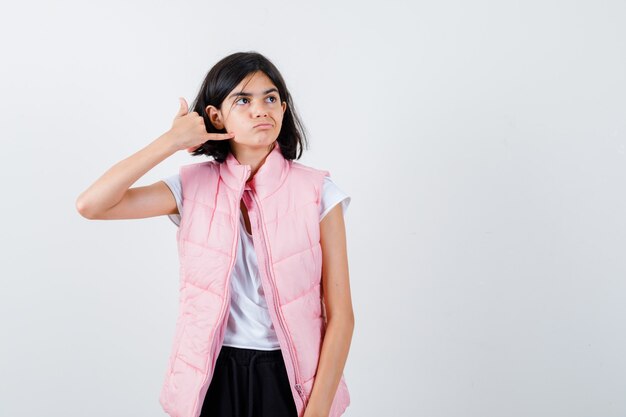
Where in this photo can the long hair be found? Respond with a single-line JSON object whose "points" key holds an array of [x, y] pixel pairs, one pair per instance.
{"points": [[222, 79]]}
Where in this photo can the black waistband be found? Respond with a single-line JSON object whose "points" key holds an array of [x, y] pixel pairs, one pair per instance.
{"points": [[244, 356]]}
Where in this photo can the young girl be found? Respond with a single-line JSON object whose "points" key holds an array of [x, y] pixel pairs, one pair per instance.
{"points": [[266, 316]]}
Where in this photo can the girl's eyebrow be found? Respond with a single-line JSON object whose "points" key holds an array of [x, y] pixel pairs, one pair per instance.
{"points": [[245, 93]]}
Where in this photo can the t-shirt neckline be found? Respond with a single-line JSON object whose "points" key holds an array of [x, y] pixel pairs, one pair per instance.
{"points": [[243, 223]]}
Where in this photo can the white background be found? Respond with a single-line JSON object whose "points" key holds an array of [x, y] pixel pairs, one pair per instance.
{"points": [[483, 144]]}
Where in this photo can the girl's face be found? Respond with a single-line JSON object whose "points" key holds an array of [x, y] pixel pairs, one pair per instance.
{"points": [[253, 111]]}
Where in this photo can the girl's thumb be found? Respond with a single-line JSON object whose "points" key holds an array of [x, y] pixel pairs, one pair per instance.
{"points": [[183, 107]]}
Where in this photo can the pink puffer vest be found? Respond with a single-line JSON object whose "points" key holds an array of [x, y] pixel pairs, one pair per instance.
{"points": [[283, 206]]}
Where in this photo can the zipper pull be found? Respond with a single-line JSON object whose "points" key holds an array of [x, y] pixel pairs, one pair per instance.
{"points": [[305, 400]]}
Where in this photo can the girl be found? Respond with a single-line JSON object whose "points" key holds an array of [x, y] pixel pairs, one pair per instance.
{"points": [[266, 316]]}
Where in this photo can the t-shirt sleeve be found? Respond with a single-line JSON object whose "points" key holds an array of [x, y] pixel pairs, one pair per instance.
{"points": [[175, 185], [331, 196]]}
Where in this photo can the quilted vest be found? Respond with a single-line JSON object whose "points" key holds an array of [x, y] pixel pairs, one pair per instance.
{"points": [[283, 203]]}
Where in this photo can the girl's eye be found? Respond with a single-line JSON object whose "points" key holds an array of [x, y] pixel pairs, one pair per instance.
{"points": [[274, 99]]}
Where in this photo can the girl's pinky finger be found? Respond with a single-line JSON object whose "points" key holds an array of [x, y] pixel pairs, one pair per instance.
{"points": [[223, 136]]}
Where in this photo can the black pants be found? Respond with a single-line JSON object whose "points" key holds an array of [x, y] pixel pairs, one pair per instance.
{"points": [[249, 383]]}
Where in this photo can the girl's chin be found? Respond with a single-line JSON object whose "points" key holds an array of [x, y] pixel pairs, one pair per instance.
{"points": [[256, 142]]}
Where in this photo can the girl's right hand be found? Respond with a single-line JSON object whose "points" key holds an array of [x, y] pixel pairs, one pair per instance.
{"points": [[189, 130]]}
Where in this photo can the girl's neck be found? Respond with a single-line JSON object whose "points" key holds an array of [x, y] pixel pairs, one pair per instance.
{"points": [[251, 156]]}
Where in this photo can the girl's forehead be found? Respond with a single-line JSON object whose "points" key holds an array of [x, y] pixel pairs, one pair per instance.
{"points": [[258, 80]]}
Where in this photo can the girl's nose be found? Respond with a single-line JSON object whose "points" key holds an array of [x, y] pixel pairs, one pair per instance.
{"points": [[259, 110]]}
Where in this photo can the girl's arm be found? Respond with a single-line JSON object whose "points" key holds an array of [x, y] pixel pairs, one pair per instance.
{"points": [[110, 197], [340, 317]]}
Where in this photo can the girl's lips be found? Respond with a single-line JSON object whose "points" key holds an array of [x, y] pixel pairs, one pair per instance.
{"points": [[263, 126]]}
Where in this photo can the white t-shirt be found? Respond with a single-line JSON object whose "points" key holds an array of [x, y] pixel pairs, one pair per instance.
{"points": [[249, 323]]}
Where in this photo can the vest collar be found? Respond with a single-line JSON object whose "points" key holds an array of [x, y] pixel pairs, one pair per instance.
{"points": [[266, 180]]}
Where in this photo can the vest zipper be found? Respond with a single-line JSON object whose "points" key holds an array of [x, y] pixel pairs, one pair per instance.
{"points": [[290, 349]]}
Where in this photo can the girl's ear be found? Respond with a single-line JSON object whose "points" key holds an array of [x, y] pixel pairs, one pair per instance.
{"points": [[215, 116], [284, 104]]}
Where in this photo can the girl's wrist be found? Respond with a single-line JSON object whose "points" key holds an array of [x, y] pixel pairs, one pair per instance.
{"points": [[312, 411], [166, 144]]}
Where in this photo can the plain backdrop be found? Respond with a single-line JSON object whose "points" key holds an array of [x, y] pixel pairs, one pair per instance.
{"points": [[483, 144]]}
